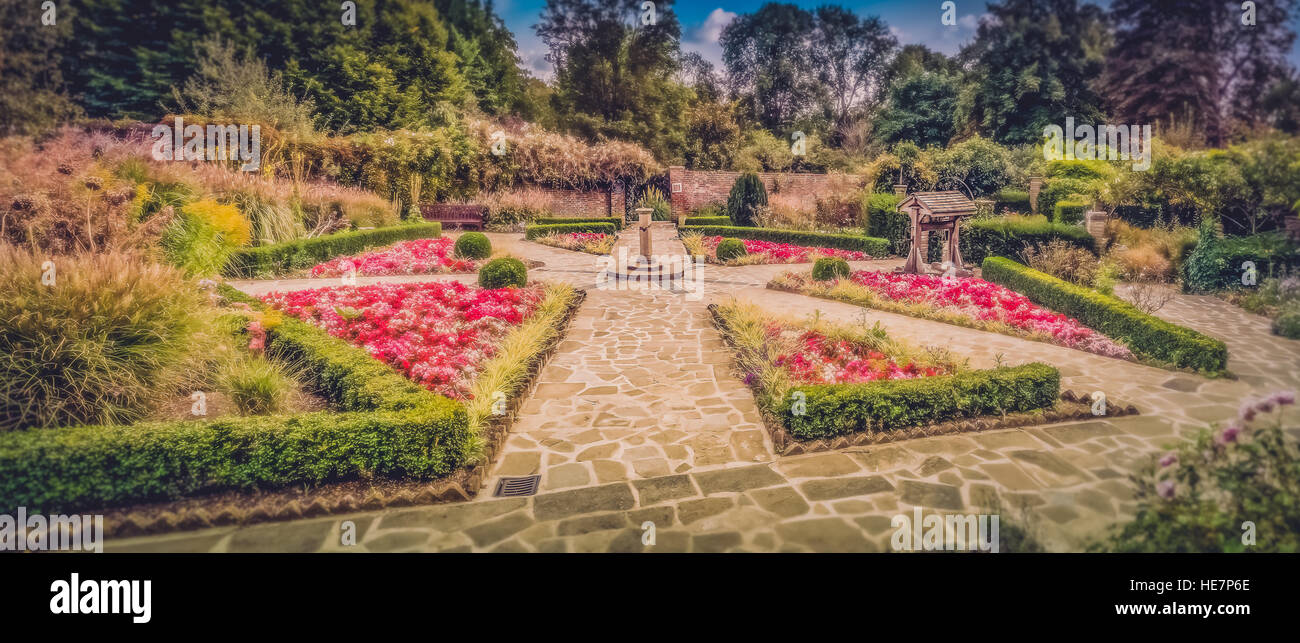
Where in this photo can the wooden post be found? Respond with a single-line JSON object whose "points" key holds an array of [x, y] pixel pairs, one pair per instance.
{"points": [[914, 257], [1035, 184]]}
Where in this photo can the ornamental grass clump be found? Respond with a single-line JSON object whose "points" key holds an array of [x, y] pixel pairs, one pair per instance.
{"points": [[93, 338]]}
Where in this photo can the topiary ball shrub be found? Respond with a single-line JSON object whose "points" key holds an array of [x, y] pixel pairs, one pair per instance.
{"points": [[828, 268], [729, 249], [502, 272], [1287, 323], [747, 196], [473, 245]]}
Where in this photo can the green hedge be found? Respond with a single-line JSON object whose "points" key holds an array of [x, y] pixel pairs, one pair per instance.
{"points": [[884, 221], [387, 427], [835, 409], [617, 221], [1069, 212], [1014, 200], [1002, 238], [534, 231], [870, 245], [305, 253], [1144, 334], [696, 221]]}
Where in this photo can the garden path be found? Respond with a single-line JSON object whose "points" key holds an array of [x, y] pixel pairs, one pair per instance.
{"points": [[642, 379]]}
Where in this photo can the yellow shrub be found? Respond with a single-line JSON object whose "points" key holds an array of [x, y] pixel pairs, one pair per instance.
{"points": [[226, 219]]}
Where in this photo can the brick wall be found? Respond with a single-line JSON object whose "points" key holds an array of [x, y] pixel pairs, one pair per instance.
{"points": [[693, 189], [584, 203]]}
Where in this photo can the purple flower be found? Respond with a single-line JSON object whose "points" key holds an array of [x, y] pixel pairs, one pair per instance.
{"points": [[1168, 460], [749, 379], [1247, 411], [1165, 488], [1283, 398], [1229, 434], [1265, 405]]}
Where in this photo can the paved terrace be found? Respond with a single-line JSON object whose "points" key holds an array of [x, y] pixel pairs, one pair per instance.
{"points": [[637, 418]]}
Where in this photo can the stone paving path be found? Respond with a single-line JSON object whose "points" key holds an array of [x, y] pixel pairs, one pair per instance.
{"points": [[637, 420]]}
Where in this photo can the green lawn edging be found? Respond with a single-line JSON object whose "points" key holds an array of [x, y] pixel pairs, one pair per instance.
{"points": [[617, 221]]}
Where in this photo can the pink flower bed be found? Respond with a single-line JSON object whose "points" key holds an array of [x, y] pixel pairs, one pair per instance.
{"points": [[436, 333], [787, 253], [417, 257], [822, 360], [984, 301]]}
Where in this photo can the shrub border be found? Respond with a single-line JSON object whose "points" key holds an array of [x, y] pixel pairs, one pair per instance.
{"points": [[276, 259], [556, 220], [534, 231], [1146, 335], [873, 246]]}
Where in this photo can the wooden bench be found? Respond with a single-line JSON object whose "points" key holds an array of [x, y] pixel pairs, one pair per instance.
{"points": [[454, 214]]}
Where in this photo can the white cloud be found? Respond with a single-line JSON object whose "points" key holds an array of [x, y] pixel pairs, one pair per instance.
{"points": [[711, 30]]}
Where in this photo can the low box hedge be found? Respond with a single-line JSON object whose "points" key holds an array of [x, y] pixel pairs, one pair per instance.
{"points": [[305, 253], [836, 409], [617, 221], [1069, 212], [1144, 334], [387, 427], [1003, 238], [870, 245], [1014, 200], [697, 221], [534, 231]]}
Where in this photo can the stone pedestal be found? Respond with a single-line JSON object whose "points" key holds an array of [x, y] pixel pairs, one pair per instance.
{"points": [[1094, 221], [1035, 185]]}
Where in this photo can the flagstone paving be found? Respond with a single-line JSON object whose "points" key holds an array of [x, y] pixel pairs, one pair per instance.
{"points": [[637, 420]]}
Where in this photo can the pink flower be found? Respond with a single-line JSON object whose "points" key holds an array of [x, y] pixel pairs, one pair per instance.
{"points": [[1265, 405], [1284, 398], [1247, 411], [1168, 460], [1229, 434], [1165, 488]]}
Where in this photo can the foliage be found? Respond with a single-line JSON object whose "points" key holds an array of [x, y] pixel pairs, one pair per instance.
{"points": [[707, 221], [32, 95], [654, 199], [920, 110], [884, 221], [837, 409], [1014, 201], [1198, 496], [203, 237], [602, 227], [1146, 335], [977, 167], [230, 86], [746, 197], [730, 248], [305, 253], [1010, 236], [590, 242], [503, 272], [616, 221], [1205, 266], [473, 245], [870, 245], [1063, 261], [1069, 212], [104, 342], [256, 385], [829, 268]]}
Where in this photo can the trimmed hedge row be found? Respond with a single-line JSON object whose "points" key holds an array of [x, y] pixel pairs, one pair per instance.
{"points": [[388, 427], [835, 409], [1013, 200], [1069, 212], [870, 245], [694, 221], [617, 221], [1144, 334], [534, 231], [1002, 238], [305, 253]]}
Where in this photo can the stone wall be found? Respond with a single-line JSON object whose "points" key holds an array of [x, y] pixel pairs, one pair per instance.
{"points": [[692, 189]]}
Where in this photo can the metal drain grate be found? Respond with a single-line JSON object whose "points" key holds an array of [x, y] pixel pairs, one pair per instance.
{"points": [[521, 486]]}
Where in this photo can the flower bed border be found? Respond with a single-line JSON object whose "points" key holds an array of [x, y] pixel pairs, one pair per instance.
{"points": [[873, 246], [354, 380], [276, 259], [1147, 335], [1066, 407]]}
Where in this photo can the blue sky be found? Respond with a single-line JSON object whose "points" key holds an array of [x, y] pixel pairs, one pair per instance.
{"points": [[915, 21]]}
